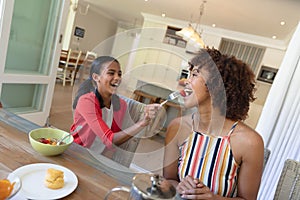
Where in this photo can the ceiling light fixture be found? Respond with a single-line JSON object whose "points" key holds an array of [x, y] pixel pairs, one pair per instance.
{"points": [[190, 34], [76, 7]]}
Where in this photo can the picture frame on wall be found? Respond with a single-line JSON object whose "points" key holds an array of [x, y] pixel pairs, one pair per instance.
{"points": [[79, 32], [267, 74]]}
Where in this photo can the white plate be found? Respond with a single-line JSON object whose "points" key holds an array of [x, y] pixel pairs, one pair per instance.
{"points": [[33, 176]]}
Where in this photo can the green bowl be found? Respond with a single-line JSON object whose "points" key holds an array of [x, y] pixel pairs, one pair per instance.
{"points": [[47, 149]]}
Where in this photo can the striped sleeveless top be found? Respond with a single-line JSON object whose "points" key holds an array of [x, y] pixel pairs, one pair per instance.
{"points": [[210, 159]]}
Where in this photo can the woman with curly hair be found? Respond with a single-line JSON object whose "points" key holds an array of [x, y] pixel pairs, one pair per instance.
{"points": [[212, 154]]}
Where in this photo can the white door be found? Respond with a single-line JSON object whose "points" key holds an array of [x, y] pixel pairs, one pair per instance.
{"points": [[30, 44]]}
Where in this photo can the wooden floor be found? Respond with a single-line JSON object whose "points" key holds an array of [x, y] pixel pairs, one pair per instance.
{"points": [[61, 115]]}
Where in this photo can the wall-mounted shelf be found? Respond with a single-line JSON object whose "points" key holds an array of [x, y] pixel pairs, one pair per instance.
{"points": [[173, 39]]}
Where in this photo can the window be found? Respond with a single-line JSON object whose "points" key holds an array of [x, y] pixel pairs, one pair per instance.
{"points": [[33, 97]]}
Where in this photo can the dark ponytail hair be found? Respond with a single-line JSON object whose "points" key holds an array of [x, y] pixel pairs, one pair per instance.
{"points": [[89, 84]]}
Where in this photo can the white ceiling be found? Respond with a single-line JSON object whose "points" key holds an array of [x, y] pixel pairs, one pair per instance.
{"points": [[257, 17]]}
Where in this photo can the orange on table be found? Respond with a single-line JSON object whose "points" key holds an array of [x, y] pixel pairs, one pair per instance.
{"points": [[5, 188]]}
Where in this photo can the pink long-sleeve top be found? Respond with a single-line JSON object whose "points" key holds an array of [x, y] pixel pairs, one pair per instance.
{"points": [[89, 124]]}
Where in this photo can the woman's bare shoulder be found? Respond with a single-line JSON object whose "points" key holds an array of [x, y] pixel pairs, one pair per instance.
{"points": [[180, 123], [248, 135], [179, 128], [179, 120], [243, 139], [246, 144]]}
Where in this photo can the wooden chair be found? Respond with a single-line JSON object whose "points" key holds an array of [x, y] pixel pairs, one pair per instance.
{"points": [[288, 186], [63, 56], [67, 69], [125, 153], [85, 67], [267, 153]]}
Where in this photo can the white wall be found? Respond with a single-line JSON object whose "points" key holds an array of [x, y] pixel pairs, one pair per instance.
{"points": [[98, 27], [273, 57], [1, 13]]}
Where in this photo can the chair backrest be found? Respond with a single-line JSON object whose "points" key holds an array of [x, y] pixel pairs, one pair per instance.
{"points": [[288, 186], [63, 56], [88, 60], [125, 153], [73, 58], [90, 56], [267, 153]]}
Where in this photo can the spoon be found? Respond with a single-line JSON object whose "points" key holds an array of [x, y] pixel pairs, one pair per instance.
{"points": [[61, 140]]}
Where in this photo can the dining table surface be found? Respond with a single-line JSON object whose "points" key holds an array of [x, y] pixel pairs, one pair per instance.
{"points": [[95, 177]]}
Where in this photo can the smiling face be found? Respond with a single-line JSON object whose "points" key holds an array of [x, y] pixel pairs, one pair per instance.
{"points": [[197, 93], [109, 78]]}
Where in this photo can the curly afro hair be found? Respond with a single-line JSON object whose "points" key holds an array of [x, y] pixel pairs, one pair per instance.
{"points": [[231, 82]]}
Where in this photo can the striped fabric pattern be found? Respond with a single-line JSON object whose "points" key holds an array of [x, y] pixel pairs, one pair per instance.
{"points": [[210, 159]]}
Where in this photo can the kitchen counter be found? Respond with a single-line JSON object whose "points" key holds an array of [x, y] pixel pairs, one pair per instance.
{"points": [[156, 89], [173, 108]]}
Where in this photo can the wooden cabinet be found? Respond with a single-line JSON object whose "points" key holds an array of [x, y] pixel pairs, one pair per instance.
{"points": [[150, 58]]}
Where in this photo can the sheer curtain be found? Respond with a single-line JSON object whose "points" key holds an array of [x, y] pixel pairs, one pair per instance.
{"points": [[279, 123]]}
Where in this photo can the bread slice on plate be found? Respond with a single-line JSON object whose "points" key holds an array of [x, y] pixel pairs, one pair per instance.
{"points": [[54, 178]]}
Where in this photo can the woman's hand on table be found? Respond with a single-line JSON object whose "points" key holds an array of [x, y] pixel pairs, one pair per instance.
{"points": [[190, 188]]}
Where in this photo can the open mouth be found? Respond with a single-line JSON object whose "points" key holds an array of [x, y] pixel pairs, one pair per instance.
{"points": [[188, 92], [115, 84]]}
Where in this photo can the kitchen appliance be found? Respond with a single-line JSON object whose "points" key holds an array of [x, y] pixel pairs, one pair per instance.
{"points": [[267, 74]]}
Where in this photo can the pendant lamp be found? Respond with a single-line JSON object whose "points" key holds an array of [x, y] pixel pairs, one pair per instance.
{"points": [[190, 34]]}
